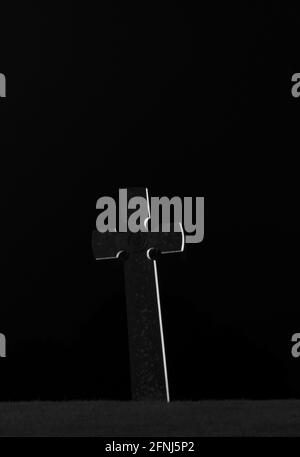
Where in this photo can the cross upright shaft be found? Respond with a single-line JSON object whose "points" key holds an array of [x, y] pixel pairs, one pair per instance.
{"points": [[148, 366]]}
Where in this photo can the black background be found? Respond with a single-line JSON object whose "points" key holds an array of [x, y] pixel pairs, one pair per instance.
{"points": [[186, 102]]}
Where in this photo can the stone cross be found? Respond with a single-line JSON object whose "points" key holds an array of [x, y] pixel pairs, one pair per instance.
{"points": [[148, 366]]}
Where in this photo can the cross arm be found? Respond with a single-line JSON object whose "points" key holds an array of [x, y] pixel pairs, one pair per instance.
{"points": [[108, 245], [168, 240]]}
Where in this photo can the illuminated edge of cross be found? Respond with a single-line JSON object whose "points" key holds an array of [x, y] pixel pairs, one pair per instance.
{"points": [[157, 292]]}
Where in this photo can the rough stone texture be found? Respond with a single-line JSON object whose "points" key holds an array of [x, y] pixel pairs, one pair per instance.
{"points": [[148, 378], [146, 419], [145, 343]]}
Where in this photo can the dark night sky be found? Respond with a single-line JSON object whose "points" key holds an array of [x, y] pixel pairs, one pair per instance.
{"points": [[187, 103]]}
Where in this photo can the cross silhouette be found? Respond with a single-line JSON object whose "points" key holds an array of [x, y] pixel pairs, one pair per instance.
{"points": [[148, 366]]}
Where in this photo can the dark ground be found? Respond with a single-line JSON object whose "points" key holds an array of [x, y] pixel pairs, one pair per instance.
{"points": [[113, 419]]}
